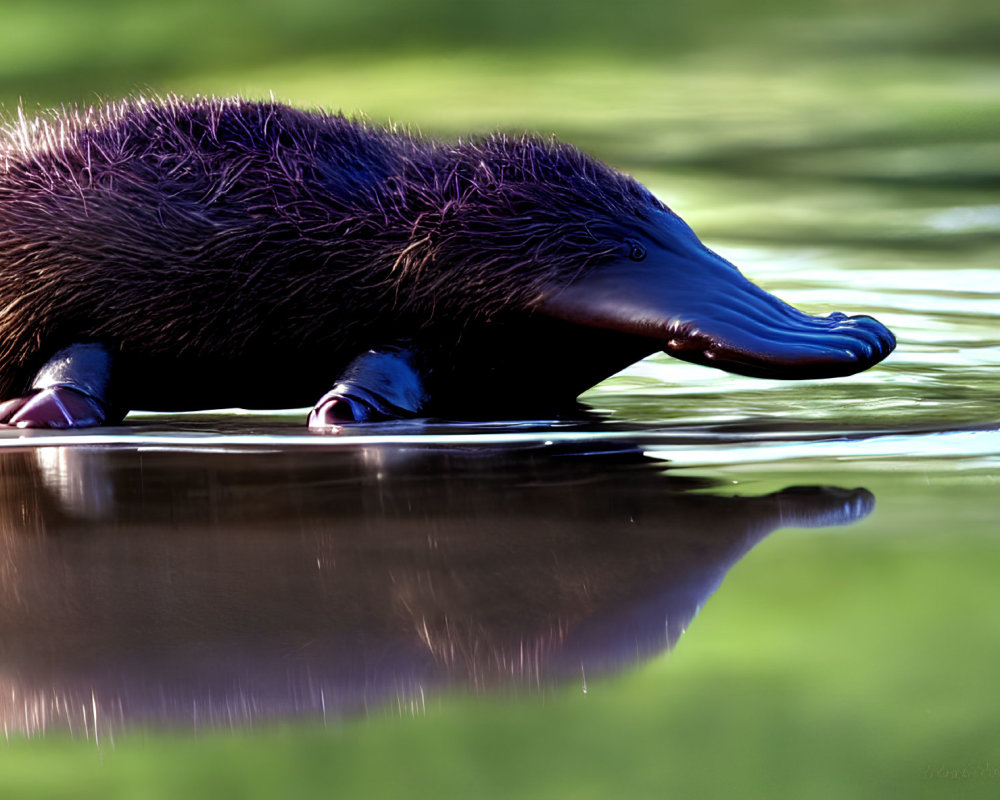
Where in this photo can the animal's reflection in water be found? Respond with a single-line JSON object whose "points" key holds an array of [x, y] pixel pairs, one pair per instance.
{"points": [[200, 588]]}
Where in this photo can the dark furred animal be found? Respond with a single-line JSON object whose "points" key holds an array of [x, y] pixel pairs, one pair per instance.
{"points": [[184, 254]]}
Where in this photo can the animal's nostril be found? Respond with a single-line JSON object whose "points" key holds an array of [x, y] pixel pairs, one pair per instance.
{"points": [[880, 336]]}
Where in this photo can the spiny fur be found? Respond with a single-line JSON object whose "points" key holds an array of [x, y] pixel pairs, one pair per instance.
{"points": [[204, 226]]}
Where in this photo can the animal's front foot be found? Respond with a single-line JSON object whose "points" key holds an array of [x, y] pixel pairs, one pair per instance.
{"points": [[334, 410], [379, 385], [55, 406]]}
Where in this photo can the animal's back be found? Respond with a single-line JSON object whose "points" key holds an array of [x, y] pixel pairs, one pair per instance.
{"points": [[176, 228]]}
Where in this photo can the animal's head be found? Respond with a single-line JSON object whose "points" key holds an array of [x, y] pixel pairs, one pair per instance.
{"points": [[609, 273]]}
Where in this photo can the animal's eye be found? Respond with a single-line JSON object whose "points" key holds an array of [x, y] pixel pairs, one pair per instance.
{"points": [[636, 251]]}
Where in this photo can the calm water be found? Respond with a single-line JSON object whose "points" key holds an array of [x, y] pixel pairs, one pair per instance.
{"points": [[817, 557]]}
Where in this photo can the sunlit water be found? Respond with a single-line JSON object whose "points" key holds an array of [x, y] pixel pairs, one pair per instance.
{"points": [[222, 568]]}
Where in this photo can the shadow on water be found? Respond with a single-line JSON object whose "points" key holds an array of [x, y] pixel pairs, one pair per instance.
{"points": [[197, 588]]}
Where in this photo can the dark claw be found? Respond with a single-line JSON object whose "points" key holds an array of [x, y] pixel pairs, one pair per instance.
{"points": [[56, 406]]}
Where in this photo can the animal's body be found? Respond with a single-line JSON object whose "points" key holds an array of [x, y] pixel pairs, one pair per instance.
{"points": [[184, 254]]}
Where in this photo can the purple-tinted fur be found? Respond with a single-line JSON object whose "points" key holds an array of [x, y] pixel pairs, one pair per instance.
{"points": [[201, 227]]}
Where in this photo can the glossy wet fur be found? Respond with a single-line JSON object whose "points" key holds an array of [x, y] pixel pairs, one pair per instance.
{"points": [[231, 253]]}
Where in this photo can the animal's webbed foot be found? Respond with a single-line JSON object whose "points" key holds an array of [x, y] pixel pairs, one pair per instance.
{"points": [[335, 409], [57, 406], [379, 385], [71, 390]]}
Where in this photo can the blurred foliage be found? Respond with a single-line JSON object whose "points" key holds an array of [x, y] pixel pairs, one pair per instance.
{"points": [[57, 50]]}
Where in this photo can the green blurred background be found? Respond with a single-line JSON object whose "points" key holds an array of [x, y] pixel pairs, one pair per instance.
{"points": [[776, 124], [765, 100]]}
